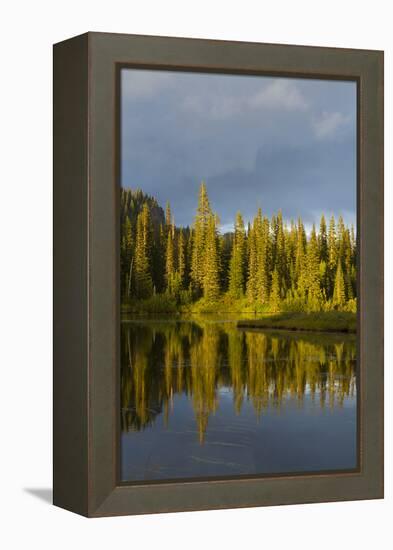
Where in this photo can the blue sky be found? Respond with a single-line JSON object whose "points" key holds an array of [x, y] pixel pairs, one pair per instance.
{"points": [[256, 141]]}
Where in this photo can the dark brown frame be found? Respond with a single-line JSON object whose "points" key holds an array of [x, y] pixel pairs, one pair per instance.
{"points": [[86, 294]]}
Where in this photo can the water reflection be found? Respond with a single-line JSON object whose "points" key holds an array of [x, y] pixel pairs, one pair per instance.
{"points": [[204, 361]]}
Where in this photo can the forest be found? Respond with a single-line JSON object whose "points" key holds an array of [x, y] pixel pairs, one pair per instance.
{"points": [[264, 266]]}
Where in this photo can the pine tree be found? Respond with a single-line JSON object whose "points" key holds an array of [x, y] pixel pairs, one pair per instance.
{"points": [[127, 256], [280, 259], [275, 298], [314, 296], [291, 242], [301, 262], [332, 256], [236, 273], [181, 259], [339, 297], [252, 265], [262, 237], [143, 280], [322, 241], [211, 285], [170, 262], [202, 219], [168, 215]]}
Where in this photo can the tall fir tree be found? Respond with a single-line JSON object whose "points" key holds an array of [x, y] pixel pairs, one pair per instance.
{"points": [[126, 257], [275, 298], [301, 262], [203, 216], [263, 246], [314, 296], [236, 270], [211, 284], [143, 280], [170, 263], [181, 259], [251, 286], [339, 297], [332, 255]]}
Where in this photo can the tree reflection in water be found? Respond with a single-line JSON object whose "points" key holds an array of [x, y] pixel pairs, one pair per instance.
{"points": [[201, 358]]}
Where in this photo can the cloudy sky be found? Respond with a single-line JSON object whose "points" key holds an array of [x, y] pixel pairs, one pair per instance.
{"points": [[255, 141]]}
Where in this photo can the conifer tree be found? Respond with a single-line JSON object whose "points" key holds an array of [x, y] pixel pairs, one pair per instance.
{"points": [[170, 262], [275, 298], [314, 297], [168, 215], [332, 255], [127, 255], [252, 265], [322, 241], [301, 262], [202, 219], [181, 258], [280, 258], [211, 285], [262, 240], [236, 274], [323, 257], [143, 280], [339, 297]]}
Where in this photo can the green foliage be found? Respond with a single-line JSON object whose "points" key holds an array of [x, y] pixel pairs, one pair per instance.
{"points": [[201, 224], [339, 298], [268, 267], [237, 264], [211, 286], [275, 299], [143, 280]]}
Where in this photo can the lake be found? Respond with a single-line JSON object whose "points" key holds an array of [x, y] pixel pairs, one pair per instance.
{"points": [[201, 398]]}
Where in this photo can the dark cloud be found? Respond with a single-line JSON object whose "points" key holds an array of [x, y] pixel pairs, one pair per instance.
{"points": [[256, 141]]}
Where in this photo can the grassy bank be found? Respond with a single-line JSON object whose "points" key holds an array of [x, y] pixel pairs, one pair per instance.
{"points": [[328, 321], [165, 304]]}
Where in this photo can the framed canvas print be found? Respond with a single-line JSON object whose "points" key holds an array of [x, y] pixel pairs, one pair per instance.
{"points": [[218, 274]]}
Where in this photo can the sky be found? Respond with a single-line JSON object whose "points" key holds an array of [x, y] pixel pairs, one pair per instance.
{"points": [[256, 141]]}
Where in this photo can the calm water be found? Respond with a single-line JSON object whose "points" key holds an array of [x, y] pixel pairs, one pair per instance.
{"points": [[201, 398]]}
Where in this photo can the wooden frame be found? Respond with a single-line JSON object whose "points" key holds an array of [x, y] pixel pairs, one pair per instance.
{"points": [[86, 294]]}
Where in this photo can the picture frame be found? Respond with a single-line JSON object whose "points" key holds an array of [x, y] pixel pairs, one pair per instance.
{"points": [[86, 269]]}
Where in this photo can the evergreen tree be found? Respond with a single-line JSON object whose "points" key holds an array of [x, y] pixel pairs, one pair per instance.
{"points": [[280, 260], [322, 241], [181, 259], [323, 257], [143, 280], [211, 285], [170, 262], [339, 297], [314, 297], [168, 215], [252, 265], [275, 298], [262, 240], [202, 220], [126, 257], [332, 256], [301, 262], [236, 274]]}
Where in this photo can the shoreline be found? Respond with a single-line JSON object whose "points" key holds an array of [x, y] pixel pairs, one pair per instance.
{"points": [[252, 325], [326, 322]]}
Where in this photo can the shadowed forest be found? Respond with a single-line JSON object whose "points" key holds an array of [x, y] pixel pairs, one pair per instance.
{"points": [[264, 266]]}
